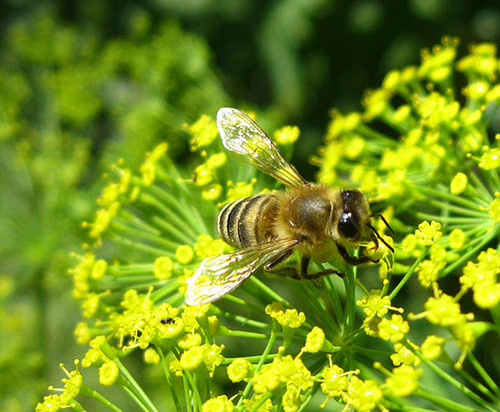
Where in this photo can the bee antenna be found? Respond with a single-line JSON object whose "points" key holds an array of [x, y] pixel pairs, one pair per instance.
{"points": [[385, 222], [381, 238]]}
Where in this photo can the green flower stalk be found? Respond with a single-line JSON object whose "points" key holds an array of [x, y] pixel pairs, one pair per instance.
{"points": [[400, 335]]}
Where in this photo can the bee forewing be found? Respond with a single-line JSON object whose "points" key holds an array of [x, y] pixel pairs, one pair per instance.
{"points": [[241, 135], [219, 275]]}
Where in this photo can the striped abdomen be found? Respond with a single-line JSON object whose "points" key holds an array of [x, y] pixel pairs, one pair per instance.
{"points": [[247, 222]]}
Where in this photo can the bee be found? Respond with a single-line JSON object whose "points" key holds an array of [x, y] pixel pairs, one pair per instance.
{"points": [[315, 220]]}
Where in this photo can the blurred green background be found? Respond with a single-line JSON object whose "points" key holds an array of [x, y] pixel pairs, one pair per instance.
{"points": [[84, 83]]}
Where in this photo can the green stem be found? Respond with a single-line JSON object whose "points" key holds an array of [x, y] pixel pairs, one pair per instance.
{"points": [[263, 358], [442, 402], [482, 372], [408, 275], [461, 387], [468, 204], [170, 380], [140, 395], [137, 246], [90, 392], [485, 240]]}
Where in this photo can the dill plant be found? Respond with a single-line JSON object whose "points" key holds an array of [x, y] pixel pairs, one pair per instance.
{"points": [[401, 335]]}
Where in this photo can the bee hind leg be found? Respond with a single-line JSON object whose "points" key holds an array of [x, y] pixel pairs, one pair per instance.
{"points": [[278, 270]]}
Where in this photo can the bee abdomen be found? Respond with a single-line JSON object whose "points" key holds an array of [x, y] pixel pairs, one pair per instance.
{"points": [[247, 222]]}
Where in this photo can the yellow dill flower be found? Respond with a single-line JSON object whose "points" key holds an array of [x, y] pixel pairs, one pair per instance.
{"points": [[82, 333], [203, 175], [211, 191], [218, 404], [238, 370], [437, 64], [108, 373], [363, 395], [314, 340], [432, 347], [151, 357], [428, 233], [457, 238], [184, 254], [102, 220], [490, 159], [376, 103], [239, 190], [169, 330], [494, 211], [207, 246], [442, 310], [403, 381], [394, 329], [149, 167], [375, 304], [266, 379], [192, 358], [289, 317], [291, 399], [355, 147], [163, 267], [203, 131], [334, 380], [481, 61], [458, 183], [212, 356], [189, 340], [404, 356], [464, 336], [287, 135], [476, 90], [428, 271]]}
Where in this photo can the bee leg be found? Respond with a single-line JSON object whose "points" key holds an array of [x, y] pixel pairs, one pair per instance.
{"points": [[269, 267], [353, 260], [304, 264], [280, 271]]}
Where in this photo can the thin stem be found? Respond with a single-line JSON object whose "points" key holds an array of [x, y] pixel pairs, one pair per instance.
{"points": [[461, 387], [263, 358], [170, 380], [442, 402], [482, 372], [408, 275]]}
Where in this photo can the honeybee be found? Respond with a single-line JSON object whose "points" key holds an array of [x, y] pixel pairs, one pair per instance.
{"points": [[314, 219]]}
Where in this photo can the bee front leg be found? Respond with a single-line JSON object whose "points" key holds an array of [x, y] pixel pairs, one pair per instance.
{"points": [[304, 264], [353, 260]]}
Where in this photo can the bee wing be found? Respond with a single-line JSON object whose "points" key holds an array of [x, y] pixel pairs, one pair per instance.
{"points": [[219, 275], [241, 135]]}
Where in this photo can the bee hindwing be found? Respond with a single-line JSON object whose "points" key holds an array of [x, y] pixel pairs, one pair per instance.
{"points": [[219, 275]]}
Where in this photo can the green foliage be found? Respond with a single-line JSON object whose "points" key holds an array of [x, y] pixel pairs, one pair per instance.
{"points": [[69, 102], [402, 335]]}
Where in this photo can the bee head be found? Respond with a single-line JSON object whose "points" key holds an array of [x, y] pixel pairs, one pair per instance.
{"points": [[354, 221]]}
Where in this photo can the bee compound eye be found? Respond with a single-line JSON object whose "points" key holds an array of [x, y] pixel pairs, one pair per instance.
{"points": [[347, 227]]}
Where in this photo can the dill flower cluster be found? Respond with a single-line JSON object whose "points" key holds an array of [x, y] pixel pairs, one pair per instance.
{"points": [[400, 335]]}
